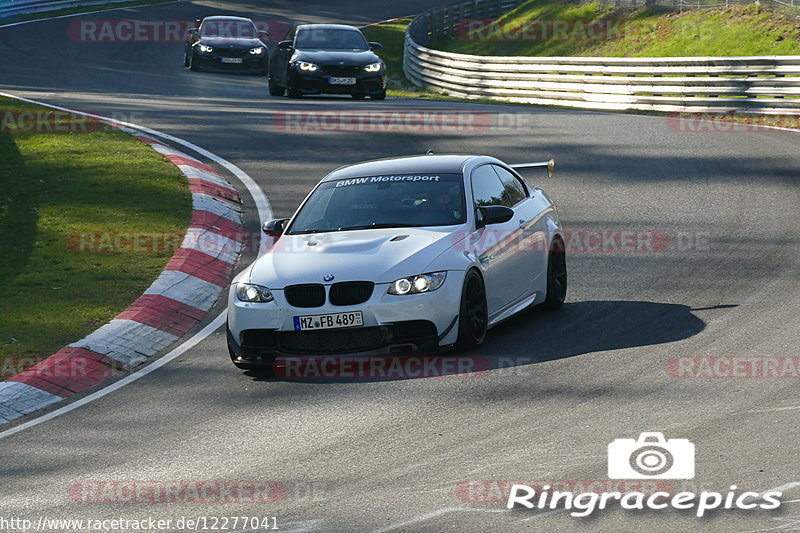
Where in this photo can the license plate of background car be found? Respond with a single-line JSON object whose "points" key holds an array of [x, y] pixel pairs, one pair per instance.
{"points": [[342, 81], [331, 321], [231, 59]]}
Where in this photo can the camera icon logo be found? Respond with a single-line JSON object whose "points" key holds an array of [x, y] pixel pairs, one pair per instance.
{"points": [[651, 457]]}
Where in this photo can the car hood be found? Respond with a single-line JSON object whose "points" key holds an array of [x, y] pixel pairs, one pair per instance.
{"points": [[336, 57], [380, 255], [228, 41]]}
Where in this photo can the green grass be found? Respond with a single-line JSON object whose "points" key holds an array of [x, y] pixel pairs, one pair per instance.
{"points": [[76, 10], [53, 187], [391, 35], [740, 30]]}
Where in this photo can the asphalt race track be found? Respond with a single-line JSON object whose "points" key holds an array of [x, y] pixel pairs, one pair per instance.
{"points": [[385, 455]]}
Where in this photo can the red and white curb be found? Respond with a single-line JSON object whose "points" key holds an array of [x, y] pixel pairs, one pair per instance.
{"points": [[176, 301]]}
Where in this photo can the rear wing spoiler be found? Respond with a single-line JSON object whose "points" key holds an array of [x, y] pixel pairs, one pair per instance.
{"points": [[549, 165]]}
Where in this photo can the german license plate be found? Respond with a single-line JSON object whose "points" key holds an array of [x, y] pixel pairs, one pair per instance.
{"points": [[331, 321], [342, 81], [231, 59]]}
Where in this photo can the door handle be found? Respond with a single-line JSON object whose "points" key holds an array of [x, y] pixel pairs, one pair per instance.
{"points": [[523, 223]]}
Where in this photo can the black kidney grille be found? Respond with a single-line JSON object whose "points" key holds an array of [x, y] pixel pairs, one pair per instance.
{"points": [[307, 295], [341, 72], [350, 292], [228, 52]]}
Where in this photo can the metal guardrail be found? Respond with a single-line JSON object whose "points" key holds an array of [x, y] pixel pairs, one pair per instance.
{"points": [[763, 84], [14, 8]]}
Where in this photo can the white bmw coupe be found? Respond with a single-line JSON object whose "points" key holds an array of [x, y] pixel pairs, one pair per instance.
{"points": [[396, 256]]}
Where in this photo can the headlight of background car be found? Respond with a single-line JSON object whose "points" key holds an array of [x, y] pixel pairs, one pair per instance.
{"points": [[375, 67], [418, 284], [309, 67], [257, 50], [205, 48], [247, 292]]}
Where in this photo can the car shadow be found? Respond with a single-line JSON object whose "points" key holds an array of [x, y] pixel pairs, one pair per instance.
{"points": [[531, 337]]}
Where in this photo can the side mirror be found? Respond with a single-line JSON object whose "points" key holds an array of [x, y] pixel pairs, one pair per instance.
{"points": [[275, 227], [375, 46], [493, 214], [285, 46]]}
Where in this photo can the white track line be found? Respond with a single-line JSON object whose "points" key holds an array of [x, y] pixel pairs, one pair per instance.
{"points": [[264, 213], [83, 13], [782, 488], [434, 514]]}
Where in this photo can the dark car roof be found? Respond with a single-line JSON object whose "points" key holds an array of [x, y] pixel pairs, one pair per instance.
{"points": [[442, 164]]}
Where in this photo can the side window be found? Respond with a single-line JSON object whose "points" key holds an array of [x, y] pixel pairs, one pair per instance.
{"points": [[290, 34], [487, 189], [514, 188]]}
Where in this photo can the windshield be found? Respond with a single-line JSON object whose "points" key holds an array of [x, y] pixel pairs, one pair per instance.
{"points": [[390, 201], [330, 39], [230, 28]]}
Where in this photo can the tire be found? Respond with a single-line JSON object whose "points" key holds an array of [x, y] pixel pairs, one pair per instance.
{"points": [[192, 65], [556, 276], [473, 318], [292, 91], [185, 59], [380, 96], [274, 88]]}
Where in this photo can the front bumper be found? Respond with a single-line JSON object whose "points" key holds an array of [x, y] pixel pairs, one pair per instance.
{"points": [[213, 62], [419, 323], [318, 82]]}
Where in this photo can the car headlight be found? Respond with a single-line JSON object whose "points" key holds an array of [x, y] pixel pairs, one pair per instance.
{"points": [[257, 51], [308, 67], [418, 284], [205, 48], [247, 292], [375, 67]]}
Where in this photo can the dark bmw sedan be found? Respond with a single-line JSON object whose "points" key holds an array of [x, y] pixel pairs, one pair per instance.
{"points": [[327, 58], [227, 44]]}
